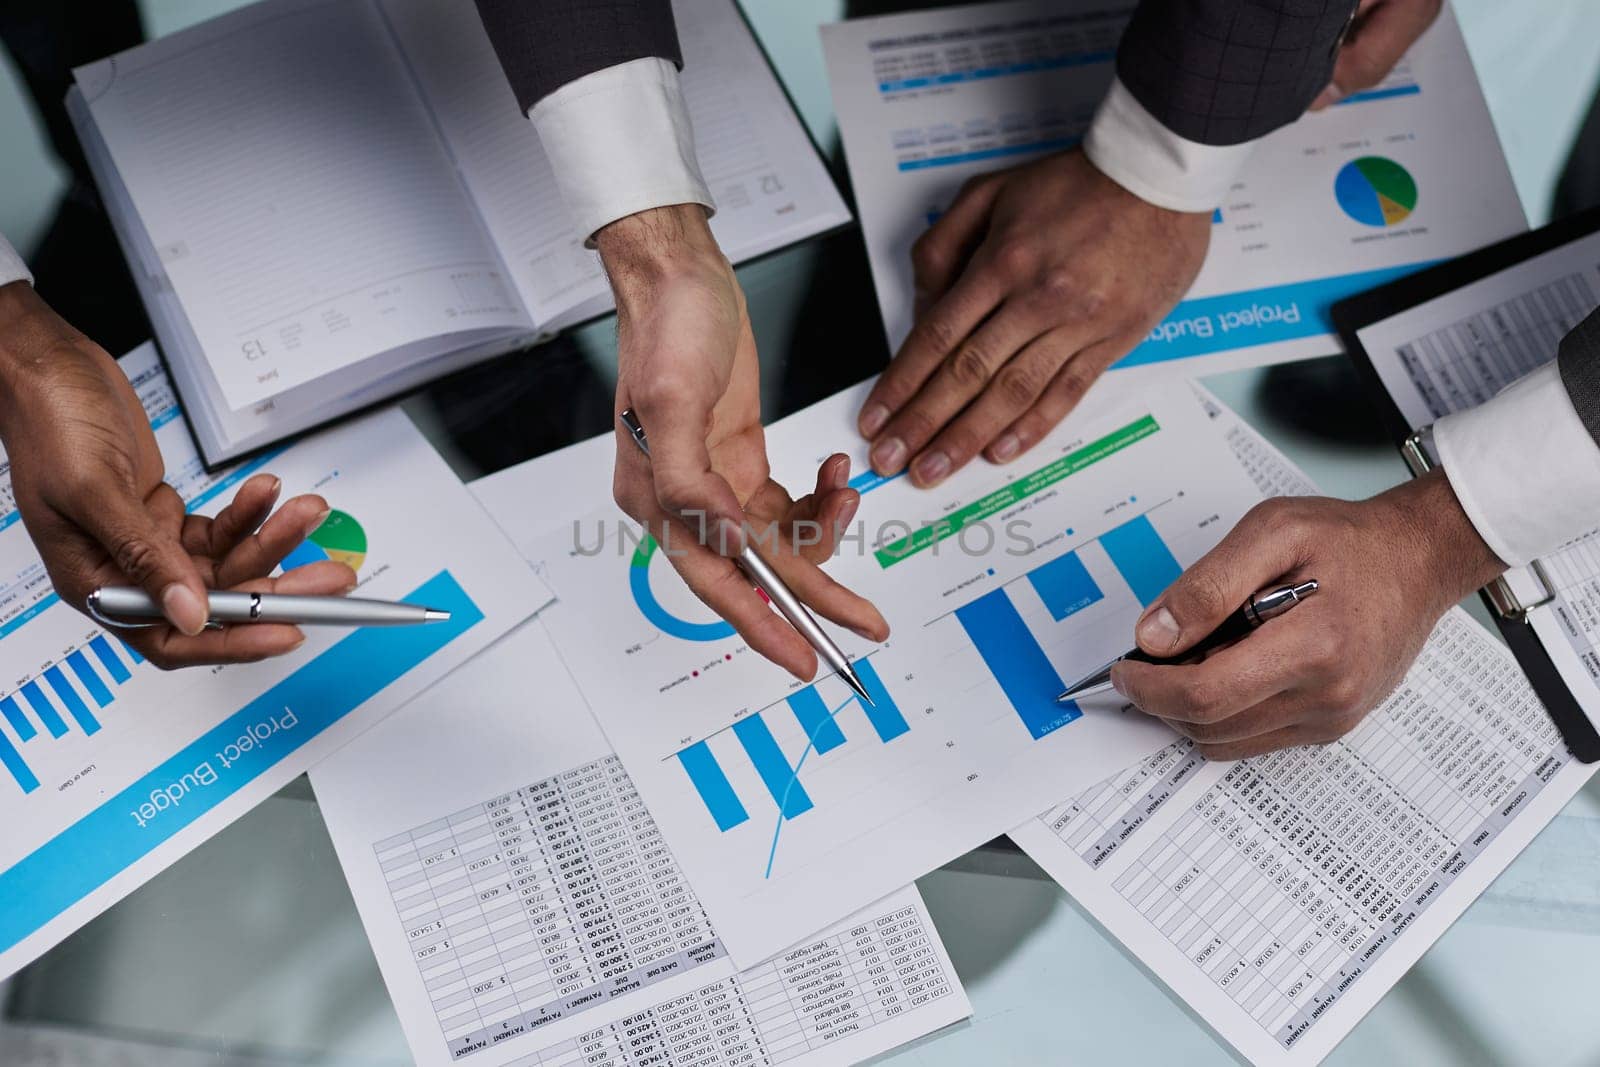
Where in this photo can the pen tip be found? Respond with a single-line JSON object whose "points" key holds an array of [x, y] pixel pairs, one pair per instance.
{"points": [[435, 615]]}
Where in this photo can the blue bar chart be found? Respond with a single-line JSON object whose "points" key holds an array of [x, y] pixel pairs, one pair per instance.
{"points": [[64, 696], [779, 771], [1065, 586]]}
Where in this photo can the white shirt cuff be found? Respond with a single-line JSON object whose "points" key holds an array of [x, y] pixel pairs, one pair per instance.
{"points": [[12, 269], [1132, 148], [1524, 467], [620, 142]]}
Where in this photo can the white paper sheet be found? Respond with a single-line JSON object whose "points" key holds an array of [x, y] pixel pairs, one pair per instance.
{"points": [[928, 99], [987, 625], [1460, 349], [113, 770], [1282, 896], [526, 910]]}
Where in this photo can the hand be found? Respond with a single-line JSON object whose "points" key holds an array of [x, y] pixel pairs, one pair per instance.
{"points": [[87, 477], [1389, 567], [1034, 281], [1382, 32], [687, 367]]}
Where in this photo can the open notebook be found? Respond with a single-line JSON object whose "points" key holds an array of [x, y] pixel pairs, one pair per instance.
{"points": [[328, 202]]}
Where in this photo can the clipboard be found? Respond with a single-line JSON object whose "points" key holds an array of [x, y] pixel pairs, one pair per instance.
{"points": [[1510, 611]]}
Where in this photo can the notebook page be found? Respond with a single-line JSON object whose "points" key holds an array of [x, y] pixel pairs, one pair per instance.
{"points": [[297, 194], [769, 186]]}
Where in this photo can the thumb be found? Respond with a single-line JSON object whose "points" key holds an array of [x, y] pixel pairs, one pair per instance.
{"points": [[1381, 35], [150, 558], [1259, 549]]}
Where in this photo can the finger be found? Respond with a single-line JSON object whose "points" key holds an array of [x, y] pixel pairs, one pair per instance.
{"points": [[243, 515], [819, 592], [941, 253], [1268, 543], [1059, 396], [147, 553], [245, 643], [323, 578], [1016, 388], [952, 386], [936, 334], [677, 417], [1225, 685], [724, 589], [1376, 43], [256, 554]]}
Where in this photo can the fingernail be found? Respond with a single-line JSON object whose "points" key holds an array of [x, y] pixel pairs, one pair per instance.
{"points": [[1006, 447], [1329, 96], [277, 485], [848, 512], [349, 587], [1158, 630], [1116, 681], [297, 643], [932, 467], [863, 634], [889, 455], [312, 526], [872, 419], [730, 538], [183, 608], [841, 475]]}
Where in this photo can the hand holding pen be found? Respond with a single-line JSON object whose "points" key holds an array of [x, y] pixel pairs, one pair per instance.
{"points": [[1386, 569]]}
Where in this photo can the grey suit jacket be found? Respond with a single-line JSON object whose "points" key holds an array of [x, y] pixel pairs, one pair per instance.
{"points": [[544, 44], [1579, 361]]}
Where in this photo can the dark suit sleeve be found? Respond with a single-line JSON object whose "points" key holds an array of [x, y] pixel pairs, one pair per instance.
{"points": [[1579, 361], [1222, 72], [544, 44]]}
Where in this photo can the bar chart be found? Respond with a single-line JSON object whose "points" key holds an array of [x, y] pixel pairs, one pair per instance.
{"points": [[751, 740], [1012, 651], [64, 697]]}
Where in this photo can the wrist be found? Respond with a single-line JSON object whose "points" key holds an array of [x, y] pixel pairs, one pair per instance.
{"points": [[643, 250], [29, 332], [1456, 560]]}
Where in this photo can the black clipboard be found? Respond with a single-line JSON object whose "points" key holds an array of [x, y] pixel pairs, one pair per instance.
{"points": [[1359, 312]]}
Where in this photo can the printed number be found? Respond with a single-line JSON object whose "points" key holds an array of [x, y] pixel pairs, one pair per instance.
{"points": [[770, 184], [253, 349]]}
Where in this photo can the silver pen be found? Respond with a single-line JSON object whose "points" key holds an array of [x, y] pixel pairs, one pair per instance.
{"points": [[112, 603], [782, 597], [1260, 608]]}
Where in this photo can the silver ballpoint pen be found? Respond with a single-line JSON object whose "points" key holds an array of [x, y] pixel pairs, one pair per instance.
{"points": [[1260, 608], [778, 592], [111, 604]]}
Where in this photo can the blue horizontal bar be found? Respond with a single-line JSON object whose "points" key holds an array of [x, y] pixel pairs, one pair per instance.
{"points": [[102, 649], [75, 706], [19, 722], [868, 480], [882, 713], [1083, 59], [991, 153], [820, 727], [47, 602], [44, 709], [1014, 657], [715, 791], [91, 681], [13, 762], [1142, 558], [1380, 94], [772, 765]]}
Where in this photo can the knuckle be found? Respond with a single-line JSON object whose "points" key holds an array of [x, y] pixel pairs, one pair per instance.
{"points": [[916, 426], [1202, 595], [969, 367], [938, 333], [1019, 385], [929, 257], [1015, 257], [134, 557], [1058, 286]]}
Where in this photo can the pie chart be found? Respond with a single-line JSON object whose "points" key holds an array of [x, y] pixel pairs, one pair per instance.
{"points": [[339, 538], [1376, 191]]}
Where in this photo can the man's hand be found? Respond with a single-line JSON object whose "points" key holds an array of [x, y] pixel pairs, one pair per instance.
{"points": [[1389, 567], [1382, 32], [1034, 281], [88, 482], [687, 367]]}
